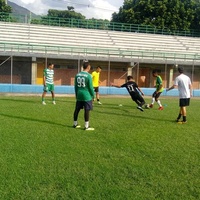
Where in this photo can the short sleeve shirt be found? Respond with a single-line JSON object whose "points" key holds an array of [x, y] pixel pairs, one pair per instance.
{"points": [[183, 82]]}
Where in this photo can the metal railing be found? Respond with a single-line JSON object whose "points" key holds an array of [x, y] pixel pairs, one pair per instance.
{"points": [[106, 52], [94, 24]]}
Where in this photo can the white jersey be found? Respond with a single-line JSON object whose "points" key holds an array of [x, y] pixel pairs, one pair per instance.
{"points": [[183, 82]]}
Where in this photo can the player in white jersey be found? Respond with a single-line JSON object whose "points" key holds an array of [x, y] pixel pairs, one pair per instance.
{"points": [[184, 85], [48, 81]]}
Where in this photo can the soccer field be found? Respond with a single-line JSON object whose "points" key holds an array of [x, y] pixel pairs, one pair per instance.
{"points": [[130, 155]]}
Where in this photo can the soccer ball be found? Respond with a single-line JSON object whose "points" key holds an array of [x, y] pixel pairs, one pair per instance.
{"points": [[147, 106]]}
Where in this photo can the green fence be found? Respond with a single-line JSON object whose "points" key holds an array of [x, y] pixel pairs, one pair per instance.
{"points": [[61, 50], [94, 24]]}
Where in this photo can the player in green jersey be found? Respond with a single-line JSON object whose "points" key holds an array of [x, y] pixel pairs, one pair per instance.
{"points": [[48, 81], [84, 92], [159, 90]]}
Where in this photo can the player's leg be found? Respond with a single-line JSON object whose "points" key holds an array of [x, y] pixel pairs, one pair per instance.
{"points": [[153, 100], [158, 101], [52, 93], [76, 112], [53, 97], [183, 103], [179, 115], [87, 108], [45, 89], [97, 95], [137, 101]]}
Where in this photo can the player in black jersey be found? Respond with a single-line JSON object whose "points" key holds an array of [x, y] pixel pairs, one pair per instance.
{"points": [[134, 91]]}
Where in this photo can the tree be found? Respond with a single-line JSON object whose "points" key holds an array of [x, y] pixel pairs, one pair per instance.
{"points": [[196, 22], [5, 10], [170, 14], [70, 13]]}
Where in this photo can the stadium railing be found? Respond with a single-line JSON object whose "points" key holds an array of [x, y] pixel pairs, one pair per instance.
{"points": [[106, 52], [94, 24]]}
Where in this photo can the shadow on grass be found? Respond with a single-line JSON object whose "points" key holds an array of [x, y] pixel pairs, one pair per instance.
{"points": [[126, 112], [20, 100], [33, 120]]}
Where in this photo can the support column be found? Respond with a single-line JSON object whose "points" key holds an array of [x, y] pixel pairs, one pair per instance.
{"points": [[130, 69], [33, 71], [171, 73]]}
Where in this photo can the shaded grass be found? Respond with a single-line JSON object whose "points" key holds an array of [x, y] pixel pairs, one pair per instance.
{"points": [[130, 155]]}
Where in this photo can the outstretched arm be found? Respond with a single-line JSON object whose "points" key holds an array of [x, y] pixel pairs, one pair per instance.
{"points": [[171, 88], [115, 85]]}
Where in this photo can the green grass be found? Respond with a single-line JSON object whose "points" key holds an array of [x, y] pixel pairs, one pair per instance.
{"points": [[130, 155]]}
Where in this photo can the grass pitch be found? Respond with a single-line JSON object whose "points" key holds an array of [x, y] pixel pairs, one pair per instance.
{"points": [[130, 155]]}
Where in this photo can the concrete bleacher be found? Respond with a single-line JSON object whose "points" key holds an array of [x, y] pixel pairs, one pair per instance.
{"points": [[29, 34]]}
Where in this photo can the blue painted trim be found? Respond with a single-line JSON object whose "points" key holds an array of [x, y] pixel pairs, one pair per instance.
{"points": [[38, 89]]}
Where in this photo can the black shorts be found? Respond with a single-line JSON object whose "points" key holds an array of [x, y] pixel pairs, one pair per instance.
{"points": [[137, 98], [96, 89], [156, 95], [184, 102], [87, 105]]}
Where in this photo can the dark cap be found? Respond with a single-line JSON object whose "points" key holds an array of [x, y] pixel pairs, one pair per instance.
{"points": [[180, 69]]}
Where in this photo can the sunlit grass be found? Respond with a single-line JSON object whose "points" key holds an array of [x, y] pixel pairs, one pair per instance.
{"points": [[130, 155]]}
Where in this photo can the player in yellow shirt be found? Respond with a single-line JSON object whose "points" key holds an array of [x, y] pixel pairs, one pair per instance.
{"points": [[96, 82]]}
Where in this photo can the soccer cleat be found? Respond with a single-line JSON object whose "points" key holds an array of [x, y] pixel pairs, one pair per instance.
{"points": [[160, 108], [99, 103], [76, 126], [43, 103], [140, 108], [177, 120], [53, 102], [151, 106], [182, 122], [89, 129]]}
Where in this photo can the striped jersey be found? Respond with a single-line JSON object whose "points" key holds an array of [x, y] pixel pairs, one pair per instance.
{"points": [[49, 75]]}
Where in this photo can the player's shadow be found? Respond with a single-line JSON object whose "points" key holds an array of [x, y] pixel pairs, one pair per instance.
{"points": [[31, 119], [129, 113], [20, 100]]}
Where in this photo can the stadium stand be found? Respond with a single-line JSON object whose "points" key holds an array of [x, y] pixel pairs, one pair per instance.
{"points": [[97, 42]]}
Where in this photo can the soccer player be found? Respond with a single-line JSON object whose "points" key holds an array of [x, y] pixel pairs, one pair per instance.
{"points": [[48, 82], [96, 82], [134, 91], [84, 92], [159, 90], [184, 85]]}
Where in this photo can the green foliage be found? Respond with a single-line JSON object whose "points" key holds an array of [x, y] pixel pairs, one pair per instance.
{"points": [[5, 8], [65, 14], [130, 155], [170, 14], [5, 11]]}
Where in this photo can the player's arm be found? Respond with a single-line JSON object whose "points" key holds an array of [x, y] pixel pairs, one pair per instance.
{"points": [[140, 91], [115, 85], [44, 78], [90, 87], [190, 87], [171, 88]]}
